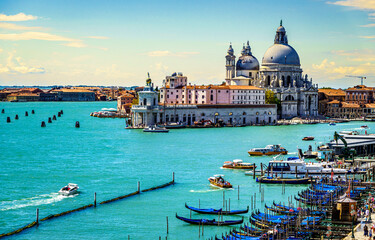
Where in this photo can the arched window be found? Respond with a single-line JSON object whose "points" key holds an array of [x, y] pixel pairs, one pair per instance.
{"points": [[289, 98], [145, 101], [288, 81], [283, 81], [154, 101], [244, 113], [202, 114], [268, 83]]}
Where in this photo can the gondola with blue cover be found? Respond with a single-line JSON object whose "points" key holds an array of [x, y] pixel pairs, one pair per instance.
{"points": [[209, 222], [216, 211]]}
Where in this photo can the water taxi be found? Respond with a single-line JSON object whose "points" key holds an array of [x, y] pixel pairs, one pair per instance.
{"points": [[238, 164], [268, 150], [310, 138], [218, 181], [155, 129], [69, 189]]}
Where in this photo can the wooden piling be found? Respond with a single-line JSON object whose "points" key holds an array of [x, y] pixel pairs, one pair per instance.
{"points": [[254, 170], [95, 199], [139, 187], [8, 119], [173, 177], [26, 114], [167, 226], [37, 216], [238, 192], [261, 169]]}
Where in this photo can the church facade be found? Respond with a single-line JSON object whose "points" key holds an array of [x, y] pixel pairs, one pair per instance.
{"points": [[280, 72]]}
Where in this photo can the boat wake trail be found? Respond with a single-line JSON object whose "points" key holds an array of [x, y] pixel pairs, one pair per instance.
{"points": [[33, 201]]}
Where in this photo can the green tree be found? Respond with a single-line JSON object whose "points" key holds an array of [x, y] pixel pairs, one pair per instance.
{"points": [[271, 98]]}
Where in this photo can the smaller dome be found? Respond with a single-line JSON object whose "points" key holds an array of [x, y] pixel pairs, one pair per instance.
{"points": [[230, 50], [247, 62], [280, 29]]}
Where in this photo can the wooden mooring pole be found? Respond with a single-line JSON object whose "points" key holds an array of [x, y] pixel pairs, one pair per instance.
{"points": [[254, 171], [238, 192], [173, 177], [37, 216], [139, 186], [95, 199], [167, 226]]}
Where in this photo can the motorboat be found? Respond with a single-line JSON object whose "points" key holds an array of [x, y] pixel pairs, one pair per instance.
{"points": [[310, 154], [172, 125], [238, 164], [364, 126], [310, 138], [219, 181], [295, 166], [278, 180], [69, 189], [332, 124], [268, 150], [156, 129]]}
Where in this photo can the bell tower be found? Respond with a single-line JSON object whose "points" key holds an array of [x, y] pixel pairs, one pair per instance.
{"points": [[230, 64]]}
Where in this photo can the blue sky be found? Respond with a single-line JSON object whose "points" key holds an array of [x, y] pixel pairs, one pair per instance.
{"points": [[118, 42]]}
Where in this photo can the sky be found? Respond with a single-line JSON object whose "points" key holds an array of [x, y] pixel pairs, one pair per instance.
{"points": [[116, 42]]}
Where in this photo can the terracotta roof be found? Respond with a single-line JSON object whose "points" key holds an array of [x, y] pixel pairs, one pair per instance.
{"points": [[332, 92], [70, 90], [350, 105], [361, 88], [370, 105], [334, 101], [127, 95]]}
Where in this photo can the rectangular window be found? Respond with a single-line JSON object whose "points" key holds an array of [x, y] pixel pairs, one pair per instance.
{"points": [[212, 97], [203, 97], [167, 96]]}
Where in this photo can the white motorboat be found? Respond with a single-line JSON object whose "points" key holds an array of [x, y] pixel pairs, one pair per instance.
{"points": [[69, 189], [295, 166], [156, 129]]}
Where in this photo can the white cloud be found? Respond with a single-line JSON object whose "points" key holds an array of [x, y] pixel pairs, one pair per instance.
{"points": [[363, 55], [35, 36], [12, 26], [17, 18], [170, 54], [369, 25], [70, 42], [15, 65], [368, 5], [368, 37], [98, 37], [332, 71], [77, 44]]}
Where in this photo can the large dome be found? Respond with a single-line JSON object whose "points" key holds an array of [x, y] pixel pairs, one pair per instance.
{"points": [[281, 54], [247, 62]]}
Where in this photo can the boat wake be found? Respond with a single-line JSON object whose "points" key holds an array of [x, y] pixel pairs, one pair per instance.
{"points": [[33, 201]]}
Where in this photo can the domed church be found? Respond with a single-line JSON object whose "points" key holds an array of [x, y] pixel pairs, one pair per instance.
{"points": [[280, 72]]}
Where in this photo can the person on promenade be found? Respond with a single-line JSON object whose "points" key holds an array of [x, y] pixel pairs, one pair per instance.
{"points": [[367, 213], [365, 231]]}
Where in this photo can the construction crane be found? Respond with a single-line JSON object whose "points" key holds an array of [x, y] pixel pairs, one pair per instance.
{"points": [[361, 77]]}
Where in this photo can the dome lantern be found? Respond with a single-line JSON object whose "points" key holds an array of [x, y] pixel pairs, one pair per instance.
{"points": [[230, 50], [280, 37]]}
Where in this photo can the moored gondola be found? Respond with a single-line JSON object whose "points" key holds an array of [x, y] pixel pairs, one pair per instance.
{"points": [[210, 222], [216, 211]]}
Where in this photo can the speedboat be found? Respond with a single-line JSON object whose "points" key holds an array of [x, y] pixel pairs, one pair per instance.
{"points": [[69, 189], [268, 150], [219, 181], [364, 126], [172, 125], [332, 124], [238, 164], [155, 129], [310, 138]]}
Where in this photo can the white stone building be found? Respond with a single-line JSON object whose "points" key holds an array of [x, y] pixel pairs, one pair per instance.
{"points": [[280, 72]]}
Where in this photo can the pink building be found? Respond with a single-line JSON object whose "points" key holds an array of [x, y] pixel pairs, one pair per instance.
{"points": [[177, 91]]}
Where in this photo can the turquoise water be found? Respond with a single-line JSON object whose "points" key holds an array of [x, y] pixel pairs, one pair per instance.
{"points": [[105, 158]]}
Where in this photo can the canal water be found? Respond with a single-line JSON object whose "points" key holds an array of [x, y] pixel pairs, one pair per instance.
{"points": [[103, 157]]}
